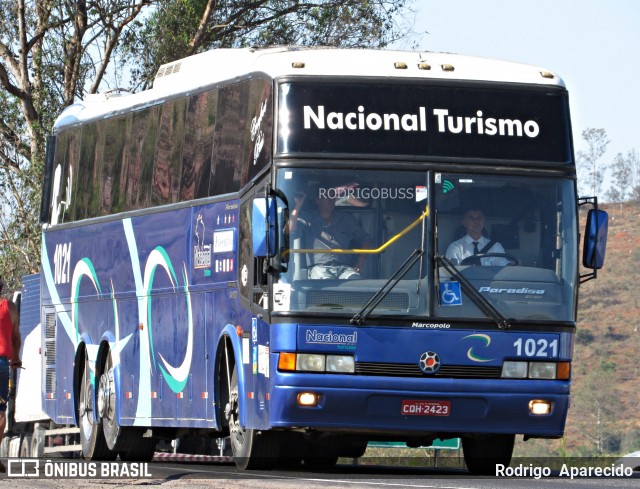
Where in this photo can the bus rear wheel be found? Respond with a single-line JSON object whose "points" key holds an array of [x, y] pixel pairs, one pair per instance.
{"points": [[252, 449], [94, 446], [107, 403], [482, 454]]}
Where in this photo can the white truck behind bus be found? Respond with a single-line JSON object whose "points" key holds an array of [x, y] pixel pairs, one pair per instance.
{"points": [[30, 432]]}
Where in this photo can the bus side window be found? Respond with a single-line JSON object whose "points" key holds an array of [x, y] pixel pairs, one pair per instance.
{"points": [[167, 170]]}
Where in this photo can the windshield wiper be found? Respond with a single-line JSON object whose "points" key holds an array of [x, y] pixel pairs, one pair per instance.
{"points": [[371, 304], [478, 299]]}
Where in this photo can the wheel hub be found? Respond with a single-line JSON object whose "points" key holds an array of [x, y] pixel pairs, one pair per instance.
{"points": [[231, 412], [106, 399]]}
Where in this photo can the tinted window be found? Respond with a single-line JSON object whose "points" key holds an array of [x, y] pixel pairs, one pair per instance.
{"points": [[140, 153], [228, 146], [166, 173], [198, 145], [114, 169]]}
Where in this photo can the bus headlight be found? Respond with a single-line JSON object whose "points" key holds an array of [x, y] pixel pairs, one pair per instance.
{"points": [[542, 370], [310, 362], [514, 370], [341, 364], [316, 362]]}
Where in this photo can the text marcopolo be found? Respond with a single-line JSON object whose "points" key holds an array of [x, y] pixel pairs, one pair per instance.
{"points": [[361, 119]]}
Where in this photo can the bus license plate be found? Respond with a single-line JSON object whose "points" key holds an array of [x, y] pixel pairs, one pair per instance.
{"points": [[425, 408]]}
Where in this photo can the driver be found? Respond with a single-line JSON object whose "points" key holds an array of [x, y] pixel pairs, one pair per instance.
{"points": [[326, 229], [474, 243]]}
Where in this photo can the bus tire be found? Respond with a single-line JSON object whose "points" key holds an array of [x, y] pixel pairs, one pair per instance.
{"points": [[94, 446], [320, 461], [116, 437], [141, 449], [252, 449], [482, 454]]}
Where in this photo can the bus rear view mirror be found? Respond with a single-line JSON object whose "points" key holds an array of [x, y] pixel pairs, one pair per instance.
{"points": [[595, 239], [264, 227]]}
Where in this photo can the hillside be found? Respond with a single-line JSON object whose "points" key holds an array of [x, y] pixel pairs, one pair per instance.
{"points": [[604, 417]]}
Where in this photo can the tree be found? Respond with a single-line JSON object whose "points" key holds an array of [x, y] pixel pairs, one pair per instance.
{"points": [[620, 179], [590, 171], [595, 406], [625, 178], [633, 160], [184, 27], [52, 52]]}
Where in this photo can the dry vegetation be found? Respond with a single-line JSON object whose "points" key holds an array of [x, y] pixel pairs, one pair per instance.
{"points": [[604, 418]]}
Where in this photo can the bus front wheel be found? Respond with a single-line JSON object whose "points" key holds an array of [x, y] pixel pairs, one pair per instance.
{"points": [[252, 449], [482, 454]]}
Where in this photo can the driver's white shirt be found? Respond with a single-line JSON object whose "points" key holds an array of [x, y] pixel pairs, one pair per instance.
{"points": [[463, 248]]}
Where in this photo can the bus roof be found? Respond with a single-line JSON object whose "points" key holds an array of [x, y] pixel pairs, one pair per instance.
{"points": [[211, 67]]}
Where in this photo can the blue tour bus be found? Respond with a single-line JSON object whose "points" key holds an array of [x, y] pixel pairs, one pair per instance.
{"points": [[178, 299]]}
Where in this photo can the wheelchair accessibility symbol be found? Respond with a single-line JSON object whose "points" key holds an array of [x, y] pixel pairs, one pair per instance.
{"points": [[450, 294]]}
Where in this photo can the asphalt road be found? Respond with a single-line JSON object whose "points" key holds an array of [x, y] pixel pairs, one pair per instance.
{"points": [[225, 475]]}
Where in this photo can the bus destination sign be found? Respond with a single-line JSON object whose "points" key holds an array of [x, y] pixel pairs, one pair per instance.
{"points": [[483, 122]]}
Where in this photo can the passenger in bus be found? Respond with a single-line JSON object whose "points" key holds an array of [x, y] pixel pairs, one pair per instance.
{"points": [[475, 243], [327, 229]]}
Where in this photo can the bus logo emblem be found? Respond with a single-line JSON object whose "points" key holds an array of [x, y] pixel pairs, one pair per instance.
{"points": [[429, 362]]}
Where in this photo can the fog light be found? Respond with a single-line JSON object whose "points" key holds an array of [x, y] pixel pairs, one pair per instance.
{"points": [[514, 370], [308, 399], [540, 408]]}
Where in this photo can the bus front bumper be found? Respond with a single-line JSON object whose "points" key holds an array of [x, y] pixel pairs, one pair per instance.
{"points": [[456, 407]]}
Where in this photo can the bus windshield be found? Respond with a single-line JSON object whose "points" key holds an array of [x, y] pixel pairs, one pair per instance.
{"points": [[345, 233]]}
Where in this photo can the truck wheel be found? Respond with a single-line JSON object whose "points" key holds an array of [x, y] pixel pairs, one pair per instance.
{"points": [[482, 454], [94, 446], [38, 440], [14, 447], [37, 444], [252, 449], [25, 447], [4, 447]]}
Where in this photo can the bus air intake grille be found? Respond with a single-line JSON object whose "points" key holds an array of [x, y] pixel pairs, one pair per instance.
{"points": [[50, 381], [413, 370], [50, 326], [335, 298]]}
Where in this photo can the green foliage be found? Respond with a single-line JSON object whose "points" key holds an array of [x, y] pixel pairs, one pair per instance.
{"points": [[179, 28], [55, 52], [630, 442], [607, 366], [595, 409], [584, 337]]}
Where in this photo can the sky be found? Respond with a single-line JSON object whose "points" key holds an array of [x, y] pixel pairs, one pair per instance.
{"points": [[593, 45]]}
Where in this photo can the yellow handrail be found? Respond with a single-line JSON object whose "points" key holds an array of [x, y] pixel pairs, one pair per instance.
{"points": [[369, 251]]}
